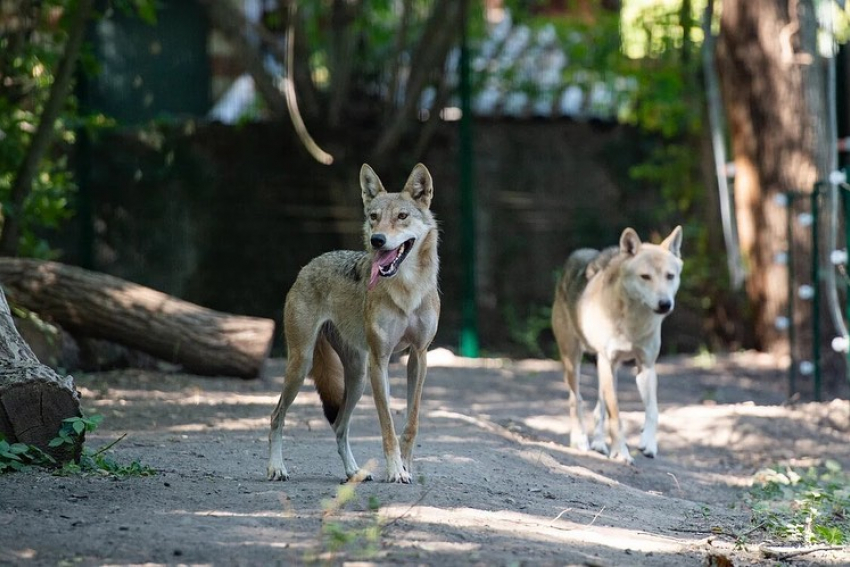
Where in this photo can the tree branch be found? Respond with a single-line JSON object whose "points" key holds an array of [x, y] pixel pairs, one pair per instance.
{"points": [[232, 24], [343, 46], [437, 39]]}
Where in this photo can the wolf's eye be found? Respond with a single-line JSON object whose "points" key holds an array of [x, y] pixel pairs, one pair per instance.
{"points": [[373, 216], [646, 277], [670, 277], [402, 216]]}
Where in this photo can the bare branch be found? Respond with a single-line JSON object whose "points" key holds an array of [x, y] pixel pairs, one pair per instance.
{"points": [[232, 24], [400, 44], [439, 36], [343, 45], [289, 89]]}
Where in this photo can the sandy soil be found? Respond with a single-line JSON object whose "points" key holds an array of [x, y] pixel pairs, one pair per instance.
{"points": [[497, 483]]}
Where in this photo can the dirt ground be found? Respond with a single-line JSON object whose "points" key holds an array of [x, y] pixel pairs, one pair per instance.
{"points": [[497, 482]]}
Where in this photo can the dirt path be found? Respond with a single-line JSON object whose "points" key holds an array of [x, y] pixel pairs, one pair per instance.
{"points": [[497, 483]]}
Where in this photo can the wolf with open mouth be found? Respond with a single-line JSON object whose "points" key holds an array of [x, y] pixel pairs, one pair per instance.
{"points": [[349, 311]]}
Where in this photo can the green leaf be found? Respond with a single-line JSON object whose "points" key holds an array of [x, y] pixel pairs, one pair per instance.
{"points": [[79, 426], [19, 448]]}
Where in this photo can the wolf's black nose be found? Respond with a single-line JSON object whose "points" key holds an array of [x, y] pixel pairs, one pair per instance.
{"points": [[664, 306], [378, 240]]}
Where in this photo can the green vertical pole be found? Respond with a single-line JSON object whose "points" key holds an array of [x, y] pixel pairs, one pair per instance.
{"points": [[792, 335], [469, 311], [816, 290]]}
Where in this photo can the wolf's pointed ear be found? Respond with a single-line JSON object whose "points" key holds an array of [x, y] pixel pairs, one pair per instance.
{"points": [[629, 242], [370, 185], [673, 243], [420, 186]]}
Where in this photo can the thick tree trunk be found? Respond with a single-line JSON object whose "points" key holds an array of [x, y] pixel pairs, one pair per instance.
{"points": [[33, 398], [760, 64], [97, 305]]}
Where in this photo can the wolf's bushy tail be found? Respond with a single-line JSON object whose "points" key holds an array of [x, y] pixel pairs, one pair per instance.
{"points": [[327, 373]]}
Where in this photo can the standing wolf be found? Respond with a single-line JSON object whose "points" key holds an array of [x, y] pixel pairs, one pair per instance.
{"points": [[612, 303], [347, 312]]}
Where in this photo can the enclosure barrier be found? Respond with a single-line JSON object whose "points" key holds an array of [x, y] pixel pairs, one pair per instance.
{"points": [[838, 258]]}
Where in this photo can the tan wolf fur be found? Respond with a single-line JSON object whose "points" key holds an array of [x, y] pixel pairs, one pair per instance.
{"points": [[612, 303], [348, 311]]}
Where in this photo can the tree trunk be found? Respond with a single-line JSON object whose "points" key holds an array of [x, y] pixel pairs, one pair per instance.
{"points": [[33, 398], [759, 62], [97, 305]]}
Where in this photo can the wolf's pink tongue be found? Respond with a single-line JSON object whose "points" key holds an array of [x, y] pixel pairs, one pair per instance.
{"points": [[382, 258], [373, 277]]}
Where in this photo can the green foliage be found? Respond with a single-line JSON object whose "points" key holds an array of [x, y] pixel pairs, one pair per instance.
{"points": [[361, 536], [74, 428], [28, 58], [806, 506], [21, 456], [525, 329], [30, 51]]}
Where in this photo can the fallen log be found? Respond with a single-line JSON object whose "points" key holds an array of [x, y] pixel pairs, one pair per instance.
{"points": [[101, 306], [34, 400]]}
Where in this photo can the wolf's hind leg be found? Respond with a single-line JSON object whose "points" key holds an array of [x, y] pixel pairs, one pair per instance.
{"points": [[355, 382], [296, 370], [569, 347], [572, 376], [300, 343]]}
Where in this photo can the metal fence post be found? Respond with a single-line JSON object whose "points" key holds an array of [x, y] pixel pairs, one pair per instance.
{"points": [[792, 335], [816, 290]]}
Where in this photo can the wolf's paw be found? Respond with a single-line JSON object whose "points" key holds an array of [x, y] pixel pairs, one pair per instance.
{"points": [[648, 446], [649, 450], [600, 446], [399, 475], [361, 475], [621, 453], [277, 473], [579, 441]]}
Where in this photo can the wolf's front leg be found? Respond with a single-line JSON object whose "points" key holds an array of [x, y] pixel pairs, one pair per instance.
{"points": [[378, 368], [608, 395], [417, 368], [647, 382]]}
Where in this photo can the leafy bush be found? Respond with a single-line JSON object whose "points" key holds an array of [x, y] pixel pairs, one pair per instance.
{"points": [[21, 456], [803, 505]]}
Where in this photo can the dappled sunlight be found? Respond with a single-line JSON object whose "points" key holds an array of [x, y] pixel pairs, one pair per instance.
{"points": [[446, 458], [742, 426], [437, 546], [444, 358], [223, 424], [558, 425], [539, 458], [530, 527], [193, 396]]}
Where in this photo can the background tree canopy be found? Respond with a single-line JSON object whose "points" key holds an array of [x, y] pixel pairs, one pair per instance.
{"points": [[379, 81]]}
